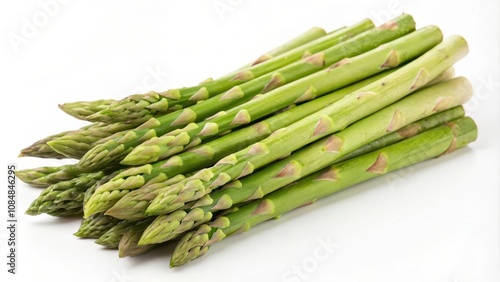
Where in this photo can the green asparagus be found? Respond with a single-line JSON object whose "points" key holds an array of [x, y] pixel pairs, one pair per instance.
{"points": [[104, 198], [64, 195], [145, 112], [333, 118], [40, 149], [46, 175], [128, 246], [116, 149], [81, 110], [133, 205], [168, 227], [96, 225], [138, 106], [151, 176], [76, 143], [318, 155], [304, 89], [430, 144], [336, 76], [304, 38], [314, 116], [111, 238], [391, 138]]}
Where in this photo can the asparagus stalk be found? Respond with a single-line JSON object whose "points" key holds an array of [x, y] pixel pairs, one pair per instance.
{"points": [[152, 176], [64, 195], [60, 208], [336, 76], [81, 110], [40, 149], [111, 238], [152, 103], [148, 112], [408, 131], [116, 149], [105, 197], [167, 227], [67, 198], [96, 225], [304, 38], [128, 246], [75, 211], [76, 143], [46, 175], [133, 205], [90, 191], [359, 44], [304, 89], [318, 155], [333, 118], [430, 144], [162, 230]]}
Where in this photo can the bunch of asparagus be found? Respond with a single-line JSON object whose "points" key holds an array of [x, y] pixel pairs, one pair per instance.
{"points": [[312, 117]]}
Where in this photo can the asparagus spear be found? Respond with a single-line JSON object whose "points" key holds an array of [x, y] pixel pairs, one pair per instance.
{"points": [[317, 156], [333, 118], [46, 175], [304, 38], [96, 225], [105, 197], [67, 197], [138, 106], [64, 195], [83, 109], [170, 226], [304, 89], [338, 75], [116, 149], [111, 238], [151, 176], [75, 211], [408, 131], [133, 205], [73, 143], [106, 178], [430, 144], [128, 246], [90, 191], [76, 143], [40, 149], [62, 208]]}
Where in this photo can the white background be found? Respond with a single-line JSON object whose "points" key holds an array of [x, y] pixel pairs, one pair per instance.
{"points": [[437, 221]]}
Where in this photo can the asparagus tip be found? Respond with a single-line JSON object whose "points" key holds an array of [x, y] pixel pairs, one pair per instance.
{"points": [[62, 107], [78, 234], [32, 212]]}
